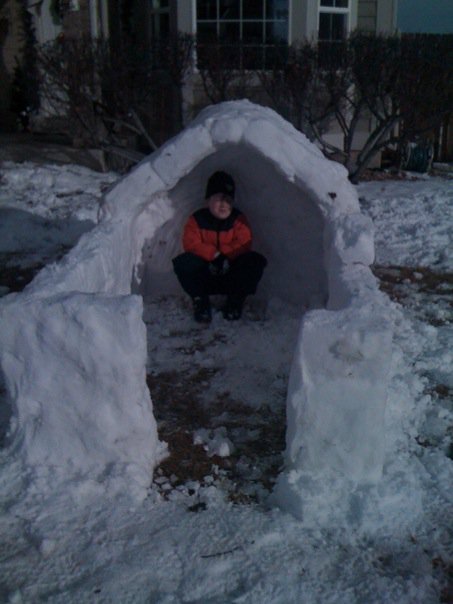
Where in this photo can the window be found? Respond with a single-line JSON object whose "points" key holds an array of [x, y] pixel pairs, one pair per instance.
{"points": [[252, 31], [333, 20], [159, 19]]}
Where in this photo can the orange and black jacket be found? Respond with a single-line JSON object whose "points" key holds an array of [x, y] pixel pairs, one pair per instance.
{"points": [[205, 235]]}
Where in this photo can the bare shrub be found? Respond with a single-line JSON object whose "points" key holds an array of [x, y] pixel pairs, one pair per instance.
{"points": [[394, 88], [224, 71], [124, 99]]}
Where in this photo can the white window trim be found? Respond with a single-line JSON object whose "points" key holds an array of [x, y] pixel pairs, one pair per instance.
{"points": [[335, 10], [290, 22], [194, 17]]}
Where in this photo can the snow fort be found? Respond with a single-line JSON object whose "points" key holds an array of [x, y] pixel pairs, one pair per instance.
{"points": [[73, 343]]}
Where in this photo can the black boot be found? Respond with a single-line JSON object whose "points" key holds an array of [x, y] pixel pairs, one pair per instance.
{"points": [[201, 309], [232, 310]]}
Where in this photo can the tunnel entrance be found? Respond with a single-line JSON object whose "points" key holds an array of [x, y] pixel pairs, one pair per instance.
{"points": [[287, 225]]}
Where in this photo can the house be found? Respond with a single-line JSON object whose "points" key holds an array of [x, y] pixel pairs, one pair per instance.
{"points": [[255, 28]]}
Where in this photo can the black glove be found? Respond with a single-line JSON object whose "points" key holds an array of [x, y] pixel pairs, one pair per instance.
{"points": [[219, 266]]}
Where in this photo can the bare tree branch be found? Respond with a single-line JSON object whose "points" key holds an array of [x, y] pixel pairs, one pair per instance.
{"points": [[403, 82]]}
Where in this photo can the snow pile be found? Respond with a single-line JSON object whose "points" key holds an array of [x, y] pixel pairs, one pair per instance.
{"points": [[53, 192], [308, 223], [44, 210]]}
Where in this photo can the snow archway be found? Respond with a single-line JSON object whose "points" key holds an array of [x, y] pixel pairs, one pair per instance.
{"points": [[306, 218], [287, 224]]}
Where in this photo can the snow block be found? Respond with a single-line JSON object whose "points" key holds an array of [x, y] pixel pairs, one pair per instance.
{"points": [[337, 394], [336, 403], [75, 364], [352, 239]]}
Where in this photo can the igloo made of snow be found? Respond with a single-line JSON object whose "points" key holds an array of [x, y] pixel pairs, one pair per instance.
{"points": [[73, 344]]}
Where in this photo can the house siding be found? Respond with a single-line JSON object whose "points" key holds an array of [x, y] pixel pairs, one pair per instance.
{"points": [[367, 15], [386, 16], [186, 17]]}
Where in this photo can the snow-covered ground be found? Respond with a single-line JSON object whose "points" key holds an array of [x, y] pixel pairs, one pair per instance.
{"points": [[207, 532], [44, 211]]}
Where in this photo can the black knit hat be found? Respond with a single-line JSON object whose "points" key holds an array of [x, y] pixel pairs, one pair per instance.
{"points": [[220, 182]]}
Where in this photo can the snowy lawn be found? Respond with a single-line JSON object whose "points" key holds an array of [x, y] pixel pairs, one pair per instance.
{"points": [[207, 532]]}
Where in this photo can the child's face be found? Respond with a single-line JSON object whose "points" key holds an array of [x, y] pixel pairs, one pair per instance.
{"points": [[220, 205]]}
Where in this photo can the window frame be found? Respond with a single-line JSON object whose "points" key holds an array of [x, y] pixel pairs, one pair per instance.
{"points": [[154, 16], [262, 46], [335, 10]]}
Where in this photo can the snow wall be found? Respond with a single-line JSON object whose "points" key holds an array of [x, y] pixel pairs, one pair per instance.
{"points": [[73, 344]]}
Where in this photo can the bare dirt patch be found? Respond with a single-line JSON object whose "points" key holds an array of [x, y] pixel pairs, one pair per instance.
{"points": [[418, 285], [259, 437]]}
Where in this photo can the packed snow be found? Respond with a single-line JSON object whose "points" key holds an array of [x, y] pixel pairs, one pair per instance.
{"points": [[319, 246], [220, 536]]}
